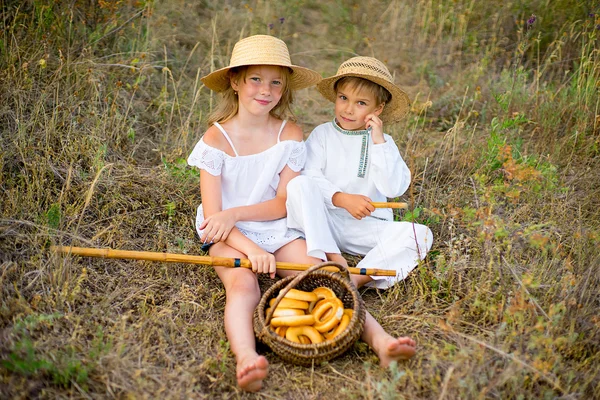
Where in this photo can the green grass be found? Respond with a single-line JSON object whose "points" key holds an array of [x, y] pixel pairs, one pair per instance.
{"points": [[101, 103]]}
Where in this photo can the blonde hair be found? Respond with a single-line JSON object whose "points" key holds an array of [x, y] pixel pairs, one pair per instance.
{"points": [[228, 105], [357, 84]]}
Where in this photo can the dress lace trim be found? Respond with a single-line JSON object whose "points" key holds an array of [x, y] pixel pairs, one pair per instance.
{"points": [[207, 158], [297, 157], [268, 238]]}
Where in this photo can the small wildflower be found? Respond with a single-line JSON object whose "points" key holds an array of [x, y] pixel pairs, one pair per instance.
{"points": [[281, 20], [531, 20], [271, 26], [42, 63]]}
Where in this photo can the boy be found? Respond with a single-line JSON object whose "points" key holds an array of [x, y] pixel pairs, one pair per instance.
{"points": [[354, 163]]}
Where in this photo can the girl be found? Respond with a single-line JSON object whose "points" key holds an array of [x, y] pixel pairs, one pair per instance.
{"points": [[246, 158]]}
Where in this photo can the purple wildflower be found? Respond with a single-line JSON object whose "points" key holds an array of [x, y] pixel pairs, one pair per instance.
{"points": [[271, 26], [281, 20], [531, 20]]}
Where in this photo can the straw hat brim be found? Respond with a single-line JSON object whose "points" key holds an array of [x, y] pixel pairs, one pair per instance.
{"points": [[300, 77], [394, 110]]}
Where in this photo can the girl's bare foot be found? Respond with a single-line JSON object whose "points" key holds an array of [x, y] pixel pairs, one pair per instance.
{"points": [[395, 349], [251, 370]]}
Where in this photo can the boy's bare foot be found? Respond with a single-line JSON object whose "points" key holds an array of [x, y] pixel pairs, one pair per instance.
{"points": [[395, 349], [251, 370]]}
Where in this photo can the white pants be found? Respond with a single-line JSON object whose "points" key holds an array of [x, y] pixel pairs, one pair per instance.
{"points": [[385, 244]]}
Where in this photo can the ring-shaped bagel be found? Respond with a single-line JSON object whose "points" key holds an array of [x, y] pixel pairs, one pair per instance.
{"points": [[293, 333], [325, 305], [296, 294], [311, 305], [340, 328], [294, 320], [280, 330], [325, 324], [304, 339], [322, 292], [290, 303], [285, 312]]}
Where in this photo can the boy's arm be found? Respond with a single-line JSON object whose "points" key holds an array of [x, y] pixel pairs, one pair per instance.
{"points": [[389, 171], [315, 163]]}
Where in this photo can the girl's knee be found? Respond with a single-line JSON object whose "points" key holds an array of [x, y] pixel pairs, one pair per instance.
{"points": [[220, 249], [245, 288], [242, 282]]}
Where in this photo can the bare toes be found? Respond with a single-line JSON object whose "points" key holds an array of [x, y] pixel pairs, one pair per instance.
{"points": [[406, 340], [251, 373], [397, 349]]}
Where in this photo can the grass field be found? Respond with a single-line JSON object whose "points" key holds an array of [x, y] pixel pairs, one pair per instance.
{"points": [[101, 102]]}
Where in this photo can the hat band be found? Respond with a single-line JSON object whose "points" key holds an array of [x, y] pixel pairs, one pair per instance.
{"points": [[359, 69]]}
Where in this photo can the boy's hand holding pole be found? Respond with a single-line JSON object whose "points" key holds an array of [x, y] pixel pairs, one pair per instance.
{"points": [[360, 206], [357, 205]]}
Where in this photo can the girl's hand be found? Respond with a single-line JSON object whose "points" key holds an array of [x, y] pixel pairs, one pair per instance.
{"points": [[262, 262], [217, 227], [372, 121], [357, 205]]}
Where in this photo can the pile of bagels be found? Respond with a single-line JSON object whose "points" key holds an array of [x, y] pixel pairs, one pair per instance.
{"points": [[309, 317]]}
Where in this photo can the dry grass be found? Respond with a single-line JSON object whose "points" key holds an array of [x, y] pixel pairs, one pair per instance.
{"points": [[100, 103]]}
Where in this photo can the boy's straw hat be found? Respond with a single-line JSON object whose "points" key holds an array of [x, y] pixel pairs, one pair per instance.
{"points": [[261, 50], [375, 71]]}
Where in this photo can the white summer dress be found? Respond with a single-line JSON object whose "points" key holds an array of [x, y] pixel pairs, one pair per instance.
{"points": [[251, 179]]}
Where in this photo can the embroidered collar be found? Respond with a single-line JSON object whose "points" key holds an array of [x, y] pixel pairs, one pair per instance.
{"points": [[350, 133], [363, 160]]}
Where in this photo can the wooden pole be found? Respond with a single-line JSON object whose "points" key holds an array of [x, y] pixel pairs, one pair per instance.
{"points": [[389, 205], [203, 260]]}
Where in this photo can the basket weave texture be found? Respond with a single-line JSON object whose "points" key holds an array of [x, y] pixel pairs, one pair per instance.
{"points": [[312, 354]]}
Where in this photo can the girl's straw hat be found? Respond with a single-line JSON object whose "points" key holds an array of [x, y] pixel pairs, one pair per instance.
{"points": [[375, 71], [261, 50]]}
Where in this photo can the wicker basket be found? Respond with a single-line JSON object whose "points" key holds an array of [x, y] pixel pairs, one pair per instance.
{"points": [[309, 354]]}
